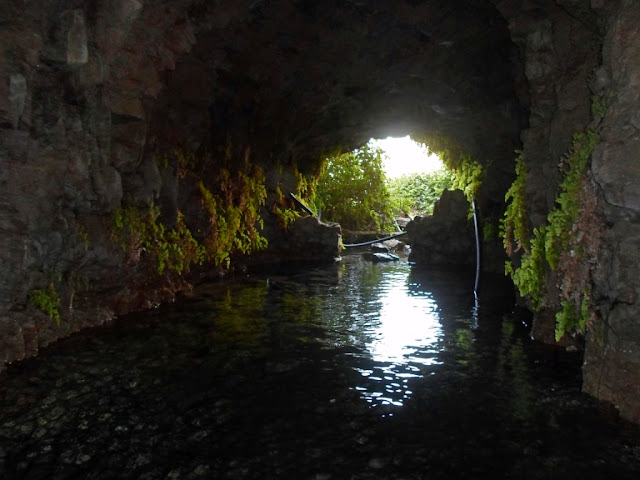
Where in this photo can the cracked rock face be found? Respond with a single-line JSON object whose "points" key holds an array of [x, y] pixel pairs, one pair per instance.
{"points": [[92, 93]]}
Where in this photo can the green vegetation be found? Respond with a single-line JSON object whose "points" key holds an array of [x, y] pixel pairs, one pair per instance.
{"points": [[452, 154], [283, 207], [529, 276], [560, 244], [234, 220], [572, 317], [417, 194], [175, 250], [598, 107], [468, 177], [352, 190], [489, 231], [234, 214], [467, 173], [561, 232], [83, 236], [513, 227], [47, 301], [232, 201], [286, 216]]}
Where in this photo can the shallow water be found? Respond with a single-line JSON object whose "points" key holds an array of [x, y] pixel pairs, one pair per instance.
{"points": [[349, 371]]}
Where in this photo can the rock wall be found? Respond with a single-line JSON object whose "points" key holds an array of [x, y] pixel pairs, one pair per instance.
{"points": [[82, 86], [72, 125], [580, 64], [560, 43], [612, 357], [446, 237]]}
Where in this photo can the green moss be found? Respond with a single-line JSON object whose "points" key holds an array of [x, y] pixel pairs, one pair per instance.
{"points": [[561, 219], [83, 236], [234, 214], [468, 177], [162, 161], [286, 216], [514, 224], [489, 231], [452, 154], [529, 276], [175, 249], [558, 240], [467, 172], [306, 185], [574, 316], [598, 107], [47, 301], [178, 250], [186, 162]]}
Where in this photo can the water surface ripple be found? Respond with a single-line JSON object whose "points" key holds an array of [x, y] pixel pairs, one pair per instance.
{"points": [[349, 371]]}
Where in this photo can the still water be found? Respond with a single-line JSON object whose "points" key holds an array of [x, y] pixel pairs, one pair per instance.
{"points": [[349, 371]]}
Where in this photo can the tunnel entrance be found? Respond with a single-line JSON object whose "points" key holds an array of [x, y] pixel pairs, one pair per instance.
{"points": [[356, 190]]}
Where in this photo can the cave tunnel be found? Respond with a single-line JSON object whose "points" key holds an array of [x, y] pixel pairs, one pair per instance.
{"points": [[108, 107]]}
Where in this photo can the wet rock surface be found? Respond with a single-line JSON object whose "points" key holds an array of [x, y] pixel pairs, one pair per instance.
{"points": [[447, 236], [254, 379], [380, 257], [612, 361]]}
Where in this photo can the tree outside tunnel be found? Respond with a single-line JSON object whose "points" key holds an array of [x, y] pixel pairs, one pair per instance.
{"points": [[353, 190], [368, 188]]}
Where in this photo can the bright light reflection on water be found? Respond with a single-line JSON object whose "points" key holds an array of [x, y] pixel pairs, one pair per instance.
{"points": [[403, 330]]}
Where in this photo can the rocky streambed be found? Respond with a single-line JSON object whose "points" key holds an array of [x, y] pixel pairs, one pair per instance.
{"points": [[349, 371]]}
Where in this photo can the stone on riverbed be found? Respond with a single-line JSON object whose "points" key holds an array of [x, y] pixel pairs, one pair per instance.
{"points": [[378, 257], [380, 247], [446, 237]]}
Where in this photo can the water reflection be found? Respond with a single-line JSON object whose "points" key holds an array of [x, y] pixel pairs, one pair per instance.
{"points": [[297, 376], [408, 326], [401, 335]]}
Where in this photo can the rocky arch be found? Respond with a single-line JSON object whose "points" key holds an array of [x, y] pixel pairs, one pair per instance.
{"points": [[96, 96]]}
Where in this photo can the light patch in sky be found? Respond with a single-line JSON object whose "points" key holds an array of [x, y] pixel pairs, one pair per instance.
{"points": [[406, 157]]}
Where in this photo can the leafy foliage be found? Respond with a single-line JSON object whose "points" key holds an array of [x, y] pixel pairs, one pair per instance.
{"points": [[234, 214], [529, 276], [47, 301], [513, 227], [573, 317], [452, 154], [467, 172], [352, 190], [283, 208], [468, 177], [286, 216], [416, 194], [570, 232], [233, 208], [562, 218], [175, 249]]}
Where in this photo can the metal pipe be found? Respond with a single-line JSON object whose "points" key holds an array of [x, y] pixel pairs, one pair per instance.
{"points": [[374, 241], [475, 224]]}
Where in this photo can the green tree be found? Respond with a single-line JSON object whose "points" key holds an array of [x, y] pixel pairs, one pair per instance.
{"points": [[416, 194], [352, 190]]}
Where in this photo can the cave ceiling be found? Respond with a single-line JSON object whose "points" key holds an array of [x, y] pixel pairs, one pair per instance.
{"points": [[300, 78]]}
